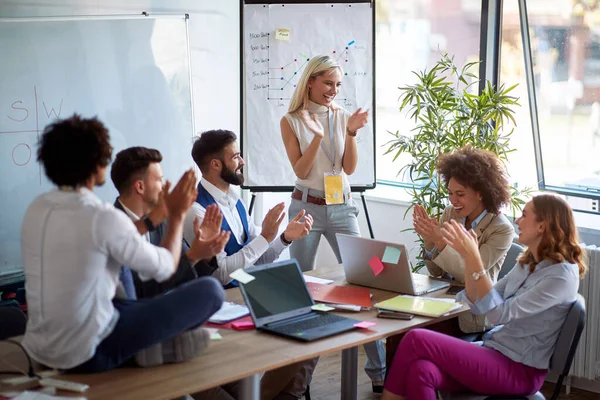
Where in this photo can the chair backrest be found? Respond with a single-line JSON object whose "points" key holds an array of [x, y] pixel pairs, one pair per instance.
{"points": [[568, 339], [510, 260]]}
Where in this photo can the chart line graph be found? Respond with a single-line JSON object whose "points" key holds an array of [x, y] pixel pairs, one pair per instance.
{"points": [[288, 73]]}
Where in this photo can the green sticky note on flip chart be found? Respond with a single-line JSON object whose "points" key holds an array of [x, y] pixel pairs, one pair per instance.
{"points": [[391, 255]]}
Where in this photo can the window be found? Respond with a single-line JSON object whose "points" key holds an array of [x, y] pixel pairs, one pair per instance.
{"points": [[521, 165], [565, 48], [410, 35]]}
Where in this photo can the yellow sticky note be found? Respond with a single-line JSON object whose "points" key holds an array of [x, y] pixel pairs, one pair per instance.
{"points": [[322, 307], [241, 276], [282, 34]]}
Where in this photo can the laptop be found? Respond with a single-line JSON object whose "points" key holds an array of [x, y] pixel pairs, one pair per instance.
{"points": [[356, 252], [280, 303]]}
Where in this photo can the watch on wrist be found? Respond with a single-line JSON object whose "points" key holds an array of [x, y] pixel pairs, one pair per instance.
{"points": [[284, 240], [148, 222], [351, 133], [477, 275]]}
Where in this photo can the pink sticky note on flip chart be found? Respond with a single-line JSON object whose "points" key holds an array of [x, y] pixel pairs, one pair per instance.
{"points": [[365, 324], [376, 265]]}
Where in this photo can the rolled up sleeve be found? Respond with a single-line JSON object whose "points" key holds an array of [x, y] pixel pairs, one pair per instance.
{"points": [[482, 306], [546, 293]]}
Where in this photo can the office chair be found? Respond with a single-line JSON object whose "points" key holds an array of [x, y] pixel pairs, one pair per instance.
{"points": [[510, 260]]}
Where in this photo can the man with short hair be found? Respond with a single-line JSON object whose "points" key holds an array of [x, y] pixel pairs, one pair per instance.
{"points": [[138, 177], [217, 155], [73, 245]]}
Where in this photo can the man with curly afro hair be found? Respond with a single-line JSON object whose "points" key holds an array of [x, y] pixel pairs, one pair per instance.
{"points": [[73, 245]]}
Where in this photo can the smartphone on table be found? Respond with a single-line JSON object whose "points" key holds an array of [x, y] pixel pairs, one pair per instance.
{"points": [[454, 289], [394, 315]]}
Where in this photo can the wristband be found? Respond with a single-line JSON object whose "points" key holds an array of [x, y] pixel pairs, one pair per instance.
{"points": [[284, 240]]}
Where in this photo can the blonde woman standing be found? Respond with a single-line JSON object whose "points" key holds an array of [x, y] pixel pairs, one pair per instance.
{"points": [[320, 141]]}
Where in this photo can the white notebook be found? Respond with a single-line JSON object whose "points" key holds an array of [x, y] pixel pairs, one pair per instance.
{"points": [[229, 312]]}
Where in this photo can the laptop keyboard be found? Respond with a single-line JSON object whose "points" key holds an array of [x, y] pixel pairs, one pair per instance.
{"points": [[307, 324], [421, 288]]}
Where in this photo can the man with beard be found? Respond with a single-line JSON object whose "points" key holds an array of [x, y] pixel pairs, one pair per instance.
{"points": [[137, 175], [217, 155]]}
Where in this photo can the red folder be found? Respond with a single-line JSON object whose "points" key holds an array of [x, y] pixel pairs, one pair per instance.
{"points": [[340, 294], [227, 325]]}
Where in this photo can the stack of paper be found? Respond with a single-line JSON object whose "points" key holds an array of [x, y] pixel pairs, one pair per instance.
{"points": [[314, 279], [427, 306], [228, 312]]}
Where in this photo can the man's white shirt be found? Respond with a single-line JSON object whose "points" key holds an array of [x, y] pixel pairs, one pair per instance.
{"points": [[73, 245], [257, 251], [134, 218]]}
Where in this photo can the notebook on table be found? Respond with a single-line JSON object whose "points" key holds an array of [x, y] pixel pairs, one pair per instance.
{"points": [[229, 312], [340, 294], [419, 306]]}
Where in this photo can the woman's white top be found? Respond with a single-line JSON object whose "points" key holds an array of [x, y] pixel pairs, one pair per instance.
{"points": [[315, 178]]}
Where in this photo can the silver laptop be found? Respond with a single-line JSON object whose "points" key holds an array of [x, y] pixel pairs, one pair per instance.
{"points": [[356, 252]]}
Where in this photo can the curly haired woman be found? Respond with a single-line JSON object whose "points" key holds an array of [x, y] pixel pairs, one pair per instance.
{"points": [[477, 188]]}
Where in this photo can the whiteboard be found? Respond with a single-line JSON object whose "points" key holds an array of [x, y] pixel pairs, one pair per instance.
{"points": [[272, 67], [133, 73]]}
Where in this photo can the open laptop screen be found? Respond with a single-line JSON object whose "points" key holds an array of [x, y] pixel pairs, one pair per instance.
{"points": [[278, 288]]}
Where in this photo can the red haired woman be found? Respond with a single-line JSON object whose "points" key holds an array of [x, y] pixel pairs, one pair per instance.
{"points": [[529, 305]]}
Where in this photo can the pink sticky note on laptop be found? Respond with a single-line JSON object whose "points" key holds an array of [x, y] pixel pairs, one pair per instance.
{"points": [[376, 265], [365, 324]]}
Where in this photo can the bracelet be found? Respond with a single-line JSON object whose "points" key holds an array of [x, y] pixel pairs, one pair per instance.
{"points": [[350, 133], [284, 240]]}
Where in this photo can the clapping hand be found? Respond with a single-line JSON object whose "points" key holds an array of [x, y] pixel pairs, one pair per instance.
{"points": [[183, 195], [270, 225], [297, 229], [208, 242], [312, 123], [427, 227], [211, 224], [464, 242], [358, 120]]}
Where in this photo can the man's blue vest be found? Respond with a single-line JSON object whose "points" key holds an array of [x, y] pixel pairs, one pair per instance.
{"points": [[205, 199]]}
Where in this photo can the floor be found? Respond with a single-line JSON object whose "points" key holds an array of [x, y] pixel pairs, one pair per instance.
{"points": [[326, 382]]}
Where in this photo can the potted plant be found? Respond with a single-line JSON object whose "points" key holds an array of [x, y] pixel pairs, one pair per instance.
{"points": [[449, 116]]}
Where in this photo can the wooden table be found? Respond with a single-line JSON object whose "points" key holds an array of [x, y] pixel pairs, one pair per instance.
{"points": [[244, 355]]}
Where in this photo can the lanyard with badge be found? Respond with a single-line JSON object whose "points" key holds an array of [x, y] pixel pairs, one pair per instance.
{"points": [[334, 192]]}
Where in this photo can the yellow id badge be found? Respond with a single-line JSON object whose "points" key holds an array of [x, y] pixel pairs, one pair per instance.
{"points": [[334, 190]]}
